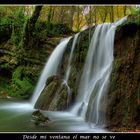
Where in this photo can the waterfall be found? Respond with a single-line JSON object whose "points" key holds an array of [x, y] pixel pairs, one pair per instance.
{"points": [[50, 68], [88, 112], [92, 91], [92, 98]]}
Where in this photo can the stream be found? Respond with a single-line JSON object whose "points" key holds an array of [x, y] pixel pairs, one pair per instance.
{"points": [[16, 117]]}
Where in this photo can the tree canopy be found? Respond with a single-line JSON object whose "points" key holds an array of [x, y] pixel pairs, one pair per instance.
{"points": [[76, 17]]}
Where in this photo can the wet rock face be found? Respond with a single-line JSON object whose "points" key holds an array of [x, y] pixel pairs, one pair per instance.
{"points": [[48, 93], [124, 95], [54, 96], [77, 62]]}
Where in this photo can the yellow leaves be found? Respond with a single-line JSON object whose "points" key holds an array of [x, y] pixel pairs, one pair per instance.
{"points": [[5, 58]]}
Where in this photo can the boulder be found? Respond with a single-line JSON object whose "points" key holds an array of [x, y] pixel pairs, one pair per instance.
{"points": [[39, 119], [54, 97]]}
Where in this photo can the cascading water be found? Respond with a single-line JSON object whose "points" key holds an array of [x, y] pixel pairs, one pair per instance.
{"points": [[91, 99], [50, 68], [69, 68], [70, 58], [96, 72]]}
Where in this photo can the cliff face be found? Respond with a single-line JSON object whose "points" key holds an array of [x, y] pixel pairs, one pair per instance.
{"points": [[124, 94]]}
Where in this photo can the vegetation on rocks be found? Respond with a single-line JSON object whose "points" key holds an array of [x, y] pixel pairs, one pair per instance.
{"points": [[39, 119], [54, 96], [124, 86]]}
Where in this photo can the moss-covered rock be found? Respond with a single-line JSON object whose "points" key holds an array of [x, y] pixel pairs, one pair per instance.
{"points": [[55, 95], [39, 119], [122, 110], [48, 93], [61, 99]]}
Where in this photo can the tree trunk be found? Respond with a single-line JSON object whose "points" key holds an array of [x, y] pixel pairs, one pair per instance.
{"points": [[62, 15], [90, 17], [105, 14], [29, 27], [72, 11], [50, 18], [95, 16], [50, 14], [118, 15], [124, 10], [78, 18], [111, 14]]}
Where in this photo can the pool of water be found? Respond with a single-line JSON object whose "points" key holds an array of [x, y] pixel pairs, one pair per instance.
{"points": [[16, 117]]}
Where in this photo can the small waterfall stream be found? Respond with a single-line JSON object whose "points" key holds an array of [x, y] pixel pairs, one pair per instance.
{"points": [[50, 68], [70, 58], [66, 78]]}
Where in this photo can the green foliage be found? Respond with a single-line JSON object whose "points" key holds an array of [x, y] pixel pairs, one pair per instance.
{"points": [[15, 21], [32, 72], [22, 89], [18, 25], [61, 29], [135, 11], [21, 85], [5, 28], [136, 15], [17, 74], [50, 29], [5, 21], [133, 21], [4, 66]]}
